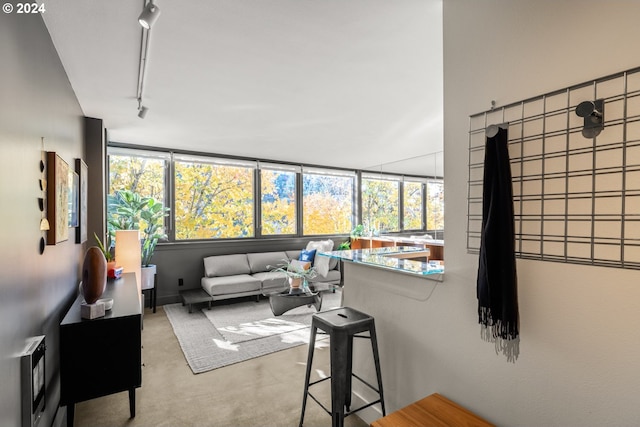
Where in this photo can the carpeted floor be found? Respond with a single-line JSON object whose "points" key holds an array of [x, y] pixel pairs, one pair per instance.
{"points": [[240, 330], [265, 391]]}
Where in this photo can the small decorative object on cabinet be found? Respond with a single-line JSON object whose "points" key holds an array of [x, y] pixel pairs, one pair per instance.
{"points": [[94, 275]]}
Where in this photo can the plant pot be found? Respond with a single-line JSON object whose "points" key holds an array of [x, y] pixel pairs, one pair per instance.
{"points": [[148, 275], [295, 282]]}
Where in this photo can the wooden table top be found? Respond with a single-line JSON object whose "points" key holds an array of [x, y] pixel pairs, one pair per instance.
{"points": [[432, 411]]}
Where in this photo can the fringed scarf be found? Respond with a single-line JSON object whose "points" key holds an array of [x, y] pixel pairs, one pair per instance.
{"points": [[497, 281]]}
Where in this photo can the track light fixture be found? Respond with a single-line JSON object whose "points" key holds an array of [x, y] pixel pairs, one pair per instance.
{"points": [[149, 15], [142, 110]]}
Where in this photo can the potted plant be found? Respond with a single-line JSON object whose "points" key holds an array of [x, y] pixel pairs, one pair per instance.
{"points": [[128, 211], [296, 272], [355, 234], [344, 246], [106, 251]]}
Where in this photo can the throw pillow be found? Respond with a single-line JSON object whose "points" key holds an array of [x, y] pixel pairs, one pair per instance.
{"points": [[322, 262], [297, 265], [307, 255]]}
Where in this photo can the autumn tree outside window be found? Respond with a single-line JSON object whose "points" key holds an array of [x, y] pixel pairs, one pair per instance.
{"points": [[413, 205], [214, 198], [227, 198], [380, 202], [328, 201], [278, 202], [435, 204]]}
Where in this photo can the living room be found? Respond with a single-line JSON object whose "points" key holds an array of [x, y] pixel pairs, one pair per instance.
{"points": [[579, 350]]}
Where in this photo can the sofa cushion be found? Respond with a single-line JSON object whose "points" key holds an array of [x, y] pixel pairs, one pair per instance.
{"points": [[266, 261], [272, 281], [226, 265], [293, 254], [230, 284], [333, 262], [322, 262], [307, 255]]}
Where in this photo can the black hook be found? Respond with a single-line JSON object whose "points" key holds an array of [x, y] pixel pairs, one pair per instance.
{"points": [[593, 114]]}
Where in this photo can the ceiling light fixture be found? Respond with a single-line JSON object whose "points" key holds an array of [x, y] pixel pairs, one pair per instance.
{"points": [[149, 15], [142, 110]]}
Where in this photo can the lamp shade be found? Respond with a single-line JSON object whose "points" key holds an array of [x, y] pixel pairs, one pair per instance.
{"points": [[128, 253], [149, 15]]}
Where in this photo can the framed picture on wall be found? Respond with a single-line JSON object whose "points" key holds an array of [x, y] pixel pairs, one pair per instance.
{"points": [[73, 198], [57, 199], [83, 192]]}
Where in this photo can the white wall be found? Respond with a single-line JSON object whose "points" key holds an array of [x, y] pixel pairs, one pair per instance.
{"points": [[579, 358]]}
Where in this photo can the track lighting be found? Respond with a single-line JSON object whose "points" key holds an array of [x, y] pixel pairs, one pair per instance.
{"points": [[142, 112], [149, 15]]}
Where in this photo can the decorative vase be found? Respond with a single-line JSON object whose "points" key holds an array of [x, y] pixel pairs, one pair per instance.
{"points": [[295, 282], [94, 275], [147, 279]]}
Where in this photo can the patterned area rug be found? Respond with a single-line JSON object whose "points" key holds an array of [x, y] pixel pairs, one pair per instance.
{"points": [[235, 332]]}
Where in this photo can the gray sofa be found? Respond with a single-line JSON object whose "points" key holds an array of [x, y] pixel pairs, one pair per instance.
{"points": [[240, 275]]}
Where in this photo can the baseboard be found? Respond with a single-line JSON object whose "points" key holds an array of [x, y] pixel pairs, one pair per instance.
{"points": [[369, 414]]}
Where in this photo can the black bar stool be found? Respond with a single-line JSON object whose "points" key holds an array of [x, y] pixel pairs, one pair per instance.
{"points": [[342, 324]]}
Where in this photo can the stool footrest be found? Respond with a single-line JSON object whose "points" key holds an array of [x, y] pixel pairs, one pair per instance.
{"points": [[366, 383]]}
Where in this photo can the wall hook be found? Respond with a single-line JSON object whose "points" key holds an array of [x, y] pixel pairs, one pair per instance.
{"points": [[593, 114]]}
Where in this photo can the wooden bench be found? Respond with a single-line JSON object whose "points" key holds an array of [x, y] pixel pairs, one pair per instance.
{"points": [[432, 411]]}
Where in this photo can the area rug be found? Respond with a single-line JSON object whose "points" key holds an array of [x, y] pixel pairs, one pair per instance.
{"points": [[236, 332]]}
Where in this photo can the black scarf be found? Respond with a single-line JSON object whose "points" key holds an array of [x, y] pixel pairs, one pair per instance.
{"points": [[497, 281]]}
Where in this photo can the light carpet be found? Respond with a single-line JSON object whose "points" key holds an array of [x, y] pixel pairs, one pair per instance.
{"points": [[239, 331]]}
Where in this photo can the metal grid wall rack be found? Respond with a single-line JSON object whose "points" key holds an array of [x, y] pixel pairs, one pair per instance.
{"points": [[576, 199]]}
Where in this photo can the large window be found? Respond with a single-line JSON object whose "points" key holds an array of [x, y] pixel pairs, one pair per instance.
{"points": [[435, 205], [214, 198], [380, 203], [225, 198], [327, 204], [278, 199], [413, 205]]}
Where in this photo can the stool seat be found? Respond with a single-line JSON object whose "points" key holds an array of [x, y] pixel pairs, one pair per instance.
{"points": [[343, 318], [342, 324]]}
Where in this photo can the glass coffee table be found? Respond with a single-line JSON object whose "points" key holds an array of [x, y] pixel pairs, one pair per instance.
{"points": [[285, 300]]}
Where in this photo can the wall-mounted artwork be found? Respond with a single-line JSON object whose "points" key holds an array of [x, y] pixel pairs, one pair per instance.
{"points": [[57, 199], [83, 193], [73, 198]]}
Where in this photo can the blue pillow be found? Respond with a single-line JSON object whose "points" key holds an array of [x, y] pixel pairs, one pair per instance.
{"points": [[307, 256]]}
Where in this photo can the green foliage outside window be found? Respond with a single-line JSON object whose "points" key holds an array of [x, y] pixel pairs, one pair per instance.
{"points": [[412, 205], [141, 175], [435, 205], [380, 199]]}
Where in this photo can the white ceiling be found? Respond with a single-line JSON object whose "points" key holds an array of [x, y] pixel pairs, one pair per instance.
{"points": [[346, 83]]}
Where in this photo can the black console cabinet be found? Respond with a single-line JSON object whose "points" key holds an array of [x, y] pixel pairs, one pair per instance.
{"points": [[102, 356]]}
